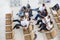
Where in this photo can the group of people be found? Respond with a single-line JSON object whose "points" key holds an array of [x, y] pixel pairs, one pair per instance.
{"points": [[25, 14], [45, 20]]}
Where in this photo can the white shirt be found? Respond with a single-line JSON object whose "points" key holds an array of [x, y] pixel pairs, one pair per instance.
{"points": [[25, 22], [47, 20], [41, 8], [49, 26], [48, 23]]}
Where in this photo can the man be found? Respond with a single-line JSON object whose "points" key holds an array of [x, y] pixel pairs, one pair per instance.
{"points": [[29, 11], [22, 11], [42, 7], [42, 14], [22, 22], [48, 25]]}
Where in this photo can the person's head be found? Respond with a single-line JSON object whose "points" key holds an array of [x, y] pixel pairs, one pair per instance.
{"points": [[22, 17], [49, 16], [39, 11], [43, 4], [45, 10], [24, 7], [28, 6], [51, 22]]}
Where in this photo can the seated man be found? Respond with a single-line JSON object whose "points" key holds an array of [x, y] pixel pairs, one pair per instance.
{"points": [[22, 11], [48, 25], [22, 22], [42, 7], [29, 11], [42, 14]]}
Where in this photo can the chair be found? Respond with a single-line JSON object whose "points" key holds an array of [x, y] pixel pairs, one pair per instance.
{"points": [[8, 28], [9, 36], [8, 16], [8, 22]]}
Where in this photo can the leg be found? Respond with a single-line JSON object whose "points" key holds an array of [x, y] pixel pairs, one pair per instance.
{"points": [[16, 21], [17, 26], [42, 26], [35, 36], [37, 16], [38, 22], [46, 29]]}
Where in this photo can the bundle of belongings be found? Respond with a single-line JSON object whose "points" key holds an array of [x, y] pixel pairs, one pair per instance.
{"points": [[56, 7]]}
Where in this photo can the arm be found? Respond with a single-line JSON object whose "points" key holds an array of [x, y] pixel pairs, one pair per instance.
{"points": [[42, 15], [35, 9]]}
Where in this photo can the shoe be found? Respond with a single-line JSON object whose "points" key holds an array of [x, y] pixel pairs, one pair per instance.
{"points": [[36, 24], [34, 19], [38, 30]]}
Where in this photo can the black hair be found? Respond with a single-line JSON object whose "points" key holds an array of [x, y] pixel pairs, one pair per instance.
{"points": [[49, 16], [43, 4], [24, 7], [28, 6], [51, 22]]}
